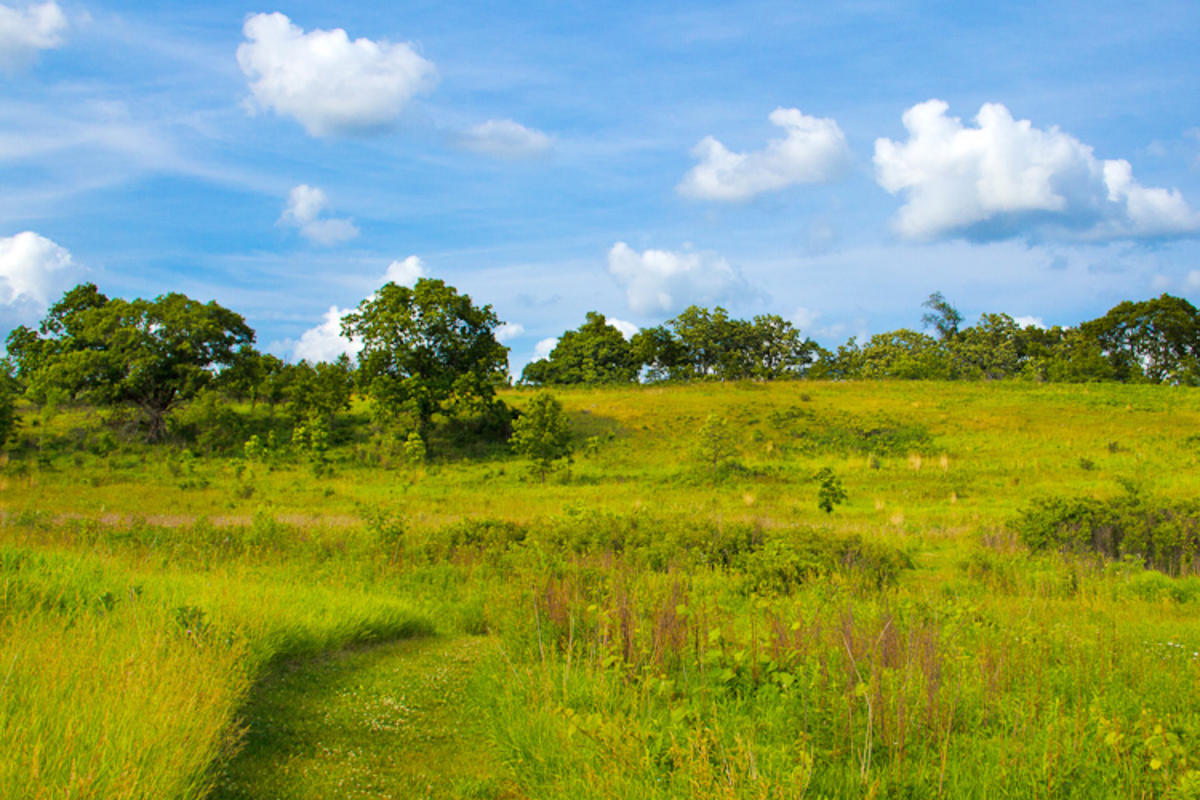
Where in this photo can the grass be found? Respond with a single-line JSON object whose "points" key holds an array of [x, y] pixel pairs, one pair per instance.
{"points": [[171, 623], [369, 722]]}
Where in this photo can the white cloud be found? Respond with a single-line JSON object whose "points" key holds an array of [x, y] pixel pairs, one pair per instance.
{"points": [[1004, 177], [627, 329], [325, 342], [543, 348], [509, 331], [330, 84], [1193, 279], [1027, 321], [34, 271], [661, 280], [808, 322], [26, 31], [813, 150], [503, 138], [406, 272], [303, 211]]}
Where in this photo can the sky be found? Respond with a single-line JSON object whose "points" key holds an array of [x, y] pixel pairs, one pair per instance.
{"points": [[832, 163]]}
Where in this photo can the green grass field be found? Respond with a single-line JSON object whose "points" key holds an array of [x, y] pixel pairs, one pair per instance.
{"points": [[641, 625]]}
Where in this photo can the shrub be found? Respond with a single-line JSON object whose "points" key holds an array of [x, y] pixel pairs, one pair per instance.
{"points": [[1161, 533], [542, 433]]}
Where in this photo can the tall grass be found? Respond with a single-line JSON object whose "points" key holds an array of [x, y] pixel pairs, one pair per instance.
{"points": [[668, 628], [120, 682]]}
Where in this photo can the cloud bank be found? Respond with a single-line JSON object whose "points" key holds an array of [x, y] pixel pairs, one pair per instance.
{"points": [[331, 85], [1004, 177], [813, 150], [304, 208], [24, 32], [666, 281]]}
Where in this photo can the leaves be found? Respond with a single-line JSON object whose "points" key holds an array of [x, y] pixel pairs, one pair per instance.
{"points": [[427, 347]]}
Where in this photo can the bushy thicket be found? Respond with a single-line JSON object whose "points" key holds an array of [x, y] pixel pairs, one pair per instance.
{"points": [[1163, 534]]}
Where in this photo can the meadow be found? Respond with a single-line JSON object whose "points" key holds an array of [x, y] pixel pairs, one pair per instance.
{"points": [[188, 620]]}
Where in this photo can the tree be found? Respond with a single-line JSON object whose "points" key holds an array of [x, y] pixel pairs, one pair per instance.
{"points": [[708, 340], [8, 417], [595, 353], [426, 349], [830, 493], [149, 354], [1156, 339], [942, 316], [542, 433], [716, 444], [660, 352], [777, 350], [901, 353], [993, 348], [322, 388]]}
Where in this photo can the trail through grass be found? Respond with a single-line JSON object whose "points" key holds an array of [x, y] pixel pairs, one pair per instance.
{"points": [[385, 721]]}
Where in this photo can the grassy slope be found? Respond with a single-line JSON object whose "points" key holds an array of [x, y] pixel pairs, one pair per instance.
{"points": [[991, 447]]}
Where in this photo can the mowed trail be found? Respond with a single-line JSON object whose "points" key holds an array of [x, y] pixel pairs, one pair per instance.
{"points": [[387, 721]]}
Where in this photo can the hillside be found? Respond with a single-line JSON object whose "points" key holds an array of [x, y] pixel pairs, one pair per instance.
{"points": [[672, 616]]}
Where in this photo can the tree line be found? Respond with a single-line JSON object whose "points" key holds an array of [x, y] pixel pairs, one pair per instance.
{"points": [[429, 353], [1153, 341]]}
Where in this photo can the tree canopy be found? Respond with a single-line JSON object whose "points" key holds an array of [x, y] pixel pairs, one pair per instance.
{"points": [[149, 354], [595, 353], [427, 349]]}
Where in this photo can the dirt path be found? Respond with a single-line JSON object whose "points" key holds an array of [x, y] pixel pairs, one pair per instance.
{"points": [[390, 721]]}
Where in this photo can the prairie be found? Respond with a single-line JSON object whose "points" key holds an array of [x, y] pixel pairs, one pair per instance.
{"points": [[650, 623]]}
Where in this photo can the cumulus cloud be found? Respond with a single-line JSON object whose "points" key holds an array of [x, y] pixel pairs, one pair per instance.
{"points": [[1027, 321], [1004, 177], [509, 331], [304, 208], [1193, 279], [34, 271], [543, 348], [627, 329], [325, 342], [406, 272], [503, 138], [328, 83], [666, 281], [26, 31], [813, 150]]}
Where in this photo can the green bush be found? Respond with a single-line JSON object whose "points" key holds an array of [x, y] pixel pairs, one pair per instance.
{"points": [[1162, 534]]}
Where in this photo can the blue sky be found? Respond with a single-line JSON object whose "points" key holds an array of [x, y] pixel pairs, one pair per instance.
{"points": [[833, 165]]}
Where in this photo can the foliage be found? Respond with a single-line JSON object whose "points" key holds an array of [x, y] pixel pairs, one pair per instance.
{"points": [[427, 348], [414, 449], [323, 388], [716, 443], [8, 414], [942, 317], [1161, 534], [595, 353], [542, 433], [830, 491], [1156, 339], [151, 354]]}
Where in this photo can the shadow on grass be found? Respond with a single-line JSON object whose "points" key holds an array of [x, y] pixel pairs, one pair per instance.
{"points": [[382, 720]]}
